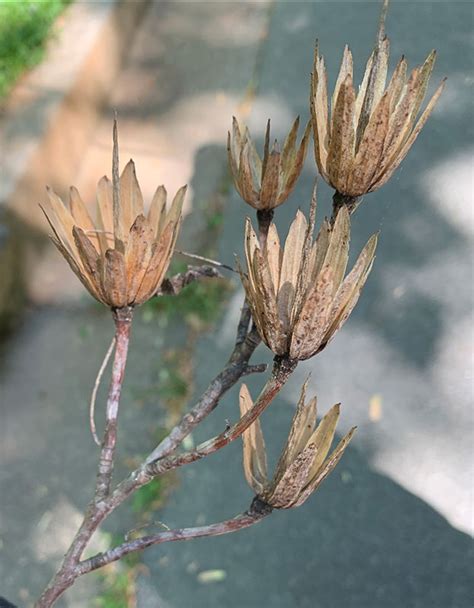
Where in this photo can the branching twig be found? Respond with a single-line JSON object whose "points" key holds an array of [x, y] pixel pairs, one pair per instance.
{"points": [[235, 367], [256, 513], [173, 285]]}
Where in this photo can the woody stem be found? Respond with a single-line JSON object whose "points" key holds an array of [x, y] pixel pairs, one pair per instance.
{"points": [[257, 511], [264, 219], [123, 322], [340, 200]]}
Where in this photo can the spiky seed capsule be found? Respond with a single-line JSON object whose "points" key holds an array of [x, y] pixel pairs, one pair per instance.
{"points": [[298, 295], [304, 461], [123, 256], [361, 139], [265, 183]]}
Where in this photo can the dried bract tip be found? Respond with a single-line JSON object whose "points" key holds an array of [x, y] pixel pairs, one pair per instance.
{"points": [[362, 138], [304, 463], [121, 257], [298, 295], [265, 183]]}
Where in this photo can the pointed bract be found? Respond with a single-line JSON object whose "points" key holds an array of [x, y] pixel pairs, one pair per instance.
{"points": [[370, 134], [265, 183], [123, 256], [304, 462], [297, 293]]}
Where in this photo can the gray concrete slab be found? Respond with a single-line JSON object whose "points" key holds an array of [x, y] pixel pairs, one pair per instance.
{"points": [[389, 528]]}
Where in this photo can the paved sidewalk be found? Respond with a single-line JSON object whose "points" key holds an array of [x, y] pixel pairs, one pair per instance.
{"points": [[390, 528]]}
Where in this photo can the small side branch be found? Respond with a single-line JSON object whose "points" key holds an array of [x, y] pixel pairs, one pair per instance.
{"points": [[256, 513], [236, 366], [172, 286], [282, 370]]}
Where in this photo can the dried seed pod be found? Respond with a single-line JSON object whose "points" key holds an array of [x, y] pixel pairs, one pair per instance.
{"points": [[363, 138], [304, 462], [266, 183], [122, 257], [298, 295]]}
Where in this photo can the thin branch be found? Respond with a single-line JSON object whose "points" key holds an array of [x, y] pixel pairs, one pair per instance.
{"points": [[123, 322], [96, 388], [173, 285], [235, 367], [255, 514], [282, 369], [195, 256]]}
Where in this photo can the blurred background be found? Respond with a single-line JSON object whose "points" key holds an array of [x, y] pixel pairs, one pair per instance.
{"points": [[392, 527]]}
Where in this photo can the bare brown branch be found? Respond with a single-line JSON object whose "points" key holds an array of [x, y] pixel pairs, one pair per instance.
{"points": [[256, 513], [173, 285]]}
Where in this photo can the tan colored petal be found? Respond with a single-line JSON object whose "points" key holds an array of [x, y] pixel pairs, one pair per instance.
{"points": [[349, 292], [266, 148], [337, 252], [89, 257], [287, 489], [345, 76], [174, 214], [78, 270], [375, 86], [138, 255], [105, 214], [397, 84], [274, 256], [368, 158], [291, 265], [341, 145], [294, 168], [270, 181], [246, 182], [274, 331], [319, 113], [254, 454], [301, 429], [114, 279], [310, 326], [327, 468], [361, 94], [157, 211], [379, 181], [250, 245], [131, 199], [323, 437], [79, 211], [160, 258], [61, 220], [288, 152]]}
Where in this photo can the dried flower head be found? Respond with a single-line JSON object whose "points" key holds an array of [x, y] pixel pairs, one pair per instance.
{"points": [[362, 140], [303, 464], [298, 296], [122, 257], [266, 183]]}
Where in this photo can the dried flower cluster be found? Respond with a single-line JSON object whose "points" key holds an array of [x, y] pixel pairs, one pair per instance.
{"points": [[266, 183], [303, 464], [298, 295], [121, 258], [363, 138]]}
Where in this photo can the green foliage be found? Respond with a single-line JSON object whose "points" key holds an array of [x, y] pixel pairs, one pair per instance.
{"points": [[24, 27], [201, 300], [148, 496], [116, 589]]}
